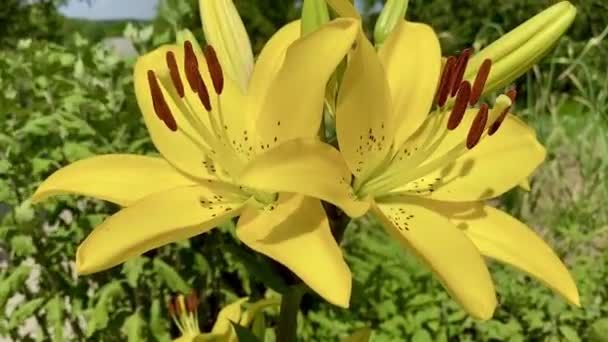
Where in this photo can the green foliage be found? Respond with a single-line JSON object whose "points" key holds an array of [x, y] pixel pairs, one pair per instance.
{"points": [[61, 103]]}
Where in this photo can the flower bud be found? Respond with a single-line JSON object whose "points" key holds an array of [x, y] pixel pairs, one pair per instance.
{"points": [[225, 31], [392, 13], [314, 15], [517, 51]]}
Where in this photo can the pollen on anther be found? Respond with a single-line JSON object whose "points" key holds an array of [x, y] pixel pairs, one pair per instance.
{"points": [[461, 66], [445, 83], [161, 108], [478, 126], [174, 73], [460, 105], [480, 81], [215, 69]]}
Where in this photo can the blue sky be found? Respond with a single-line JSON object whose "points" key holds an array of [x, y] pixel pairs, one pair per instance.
{"points": [[111, 9]]}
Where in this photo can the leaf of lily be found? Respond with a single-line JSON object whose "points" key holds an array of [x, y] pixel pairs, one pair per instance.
{"points": [[504, 238], [225, 30], [154, 221], [118, 178], [297, 234], [411, 57], [269, 63], [364, 120], [293, 106], [445, 249], [306, 166], [497, 164]]}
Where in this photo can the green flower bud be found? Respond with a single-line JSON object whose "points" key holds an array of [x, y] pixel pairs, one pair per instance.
{"points": [[392, 13], [314, 15], [517, 51]]}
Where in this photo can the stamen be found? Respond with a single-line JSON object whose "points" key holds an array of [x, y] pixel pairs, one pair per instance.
{"points": [[480, 81], [460, 105], [445, 84], [174, 73], [461, 67], [512, 94], [159, 104], [215, 69], [194, 77], [192, 302], [478, 126]]}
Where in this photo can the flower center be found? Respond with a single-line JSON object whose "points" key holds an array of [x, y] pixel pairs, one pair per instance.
{"points": [[184, 313], [208, 132], [454, 96]]}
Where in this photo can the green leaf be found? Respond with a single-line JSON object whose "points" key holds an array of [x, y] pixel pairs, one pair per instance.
{"points": [[170, 276], [24, 213], [22, 245], [55, 317], [24, 311], [243, 334], [133, 268], [422, 336], [158, 324], [11, 284], [99, 317], [132, 327], [569, 333], [359, 335], [598, 331]]}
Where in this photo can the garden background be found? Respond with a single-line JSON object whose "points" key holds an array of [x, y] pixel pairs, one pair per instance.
{"points": [[64, 95]]}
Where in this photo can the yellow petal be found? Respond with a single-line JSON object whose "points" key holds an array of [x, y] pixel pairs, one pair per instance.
{"points": [[230, 313], [497, 164], [445, 249], [502, 237], [308, 167], [224, 30], [154, 221], [118, 178], [411, 57], [344, 8], [364, 121], [184, 148], [269, 63], [296, 233], [293, 106]]}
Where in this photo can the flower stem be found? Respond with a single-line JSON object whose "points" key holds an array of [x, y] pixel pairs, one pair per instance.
{"points": [[288, 316]]}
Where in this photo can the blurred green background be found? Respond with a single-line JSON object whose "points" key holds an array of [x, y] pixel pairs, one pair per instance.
{"points": [[66, 94]]}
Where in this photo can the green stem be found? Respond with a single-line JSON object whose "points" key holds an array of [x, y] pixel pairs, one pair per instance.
{"points": [[288, 316]]}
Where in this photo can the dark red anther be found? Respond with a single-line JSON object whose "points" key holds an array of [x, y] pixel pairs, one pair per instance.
{"points": [[192, 302], [203, 94], [215, 69], [461, 66], [512, 94], [444, 84], [191, 66], [174, 73], [478, 126], [480, 81], [460, 105], [171, 307], [161, 108]]}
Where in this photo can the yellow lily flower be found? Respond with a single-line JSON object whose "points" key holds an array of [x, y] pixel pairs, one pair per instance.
{"points": [[184, 313], [227, 154], [426, 175]]}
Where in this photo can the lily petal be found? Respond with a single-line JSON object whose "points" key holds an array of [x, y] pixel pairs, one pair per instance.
{"points": [[293, 106], [305, 166], [445, 249], [497, 164], [502, 237], [269, 63], [297, 234], [225, 31], [118, 178], [364, 120], [411, 57], [154, 221], [230, 313]]}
